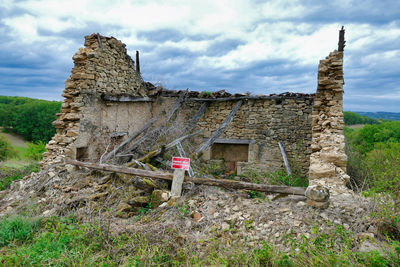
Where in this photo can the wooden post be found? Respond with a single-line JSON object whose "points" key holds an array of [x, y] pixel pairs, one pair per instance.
{"points": [[137, 62], [342, 42], [285, 159], [177, 181]]}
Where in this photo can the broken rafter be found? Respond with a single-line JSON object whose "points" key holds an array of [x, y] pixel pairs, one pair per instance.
{"points": [[133, 136], [177, 105], [205, 181], [197, 117], [157, 152], [142, 139], [220, 130]]}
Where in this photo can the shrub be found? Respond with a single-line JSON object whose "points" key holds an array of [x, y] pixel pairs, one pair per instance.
{"points": [[35, 150], [6, 149]]}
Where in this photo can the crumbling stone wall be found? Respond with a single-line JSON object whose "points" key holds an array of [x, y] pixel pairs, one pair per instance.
{"points": [[328, 158], [267, 121], [101, 67], [92, 119]]}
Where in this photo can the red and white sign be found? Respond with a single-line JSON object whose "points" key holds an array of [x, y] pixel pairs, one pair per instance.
{"points": [[180, 163]]}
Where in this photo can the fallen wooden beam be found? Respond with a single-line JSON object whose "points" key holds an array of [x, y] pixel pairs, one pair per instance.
{"points": [[220, 129], [130, 138], [121, 169], [205, 181]]}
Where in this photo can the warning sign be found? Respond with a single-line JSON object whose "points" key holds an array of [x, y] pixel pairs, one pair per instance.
{"points": [[180, 163]]}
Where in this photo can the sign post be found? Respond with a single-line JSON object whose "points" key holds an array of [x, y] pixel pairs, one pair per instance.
{"points": [[180, 165]]}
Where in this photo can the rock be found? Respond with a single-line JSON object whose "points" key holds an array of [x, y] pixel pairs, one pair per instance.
{"points": [[318, 204], [158, 197], [97, 196], [172, 201], [196, 216], [225, 226], [124, 207], [140, 201], [317, 193]]}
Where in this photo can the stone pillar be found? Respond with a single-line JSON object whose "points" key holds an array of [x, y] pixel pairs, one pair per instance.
{"points": [[328, 158]]}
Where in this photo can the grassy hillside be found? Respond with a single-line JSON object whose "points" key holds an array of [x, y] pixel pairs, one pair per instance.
{"points": [[30, 118]]}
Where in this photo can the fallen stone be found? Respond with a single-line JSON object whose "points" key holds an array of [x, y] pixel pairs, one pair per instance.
{"points": [[317, 193], [318, 204]]}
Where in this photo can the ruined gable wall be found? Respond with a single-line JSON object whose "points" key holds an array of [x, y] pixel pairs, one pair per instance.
{"points": [[328, 158], [102, 66]]}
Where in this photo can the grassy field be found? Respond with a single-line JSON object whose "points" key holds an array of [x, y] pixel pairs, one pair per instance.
{"points": [[20, 145]]}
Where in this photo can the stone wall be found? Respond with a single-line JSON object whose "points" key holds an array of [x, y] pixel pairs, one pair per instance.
{"points": [[328, 158], [267, 122], [93, 118], [101, 67]]}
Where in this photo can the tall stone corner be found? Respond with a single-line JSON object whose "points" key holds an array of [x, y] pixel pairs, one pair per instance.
{"points": [[328, 158]]}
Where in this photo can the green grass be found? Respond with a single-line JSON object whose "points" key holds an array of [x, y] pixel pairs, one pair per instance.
{"points": [[66, 242]]}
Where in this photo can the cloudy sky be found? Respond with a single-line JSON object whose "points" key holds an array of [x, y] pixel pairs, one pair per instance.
{"points": [[253, 46]]}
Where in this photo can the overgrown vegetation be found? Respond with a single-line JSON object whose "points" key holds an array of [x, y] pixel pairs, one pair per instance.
{"points": [[29, 117], [6, 149], [374, 167], [67, 242], [11, 174]]}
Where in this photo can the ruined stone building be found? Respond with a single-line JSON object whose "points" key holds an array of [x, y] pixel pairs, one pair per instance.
{"points": [[106, 101]]}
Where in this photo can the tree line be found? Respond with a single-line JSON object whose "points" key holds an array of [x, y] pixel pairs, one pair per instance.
{"points": [[28, 117], [351, 118]]}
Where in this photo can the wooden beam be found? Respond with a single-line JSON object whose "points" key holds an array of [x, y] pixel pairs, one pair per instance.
{"points": [[197, 116], [142, 139], [126, 98], [137, 62], [342, 42], [122, 169], [285, 159], [130, 138], [177, 105], [233, 141], [205, 181], [157, 152], [220, 130]]}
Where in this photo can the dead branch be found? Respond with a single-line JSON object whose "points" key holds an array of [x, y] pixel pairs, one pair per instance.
{"points": [[205, 181]]}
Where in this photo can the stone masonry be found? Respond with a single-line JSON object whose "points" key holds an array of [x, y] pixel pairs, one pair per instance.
{"points": [[328, 158], [93, 118], [103, 66]]}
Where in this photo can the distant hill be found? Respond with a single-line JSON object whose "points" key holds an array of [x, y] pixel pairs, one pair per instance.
{"points": [[28, 117], [380, 115]]}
